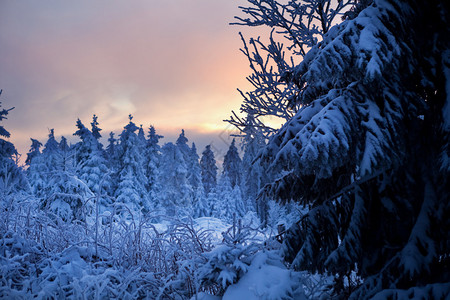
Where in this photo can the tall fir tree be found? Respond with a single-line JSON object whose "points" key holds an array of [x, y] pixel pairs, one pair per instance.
{"points": [[54, 181], [84, 147], [367, 149], [228, 204], [141, 137], [92, 165], [182, 144], [208, 169], [67, 155], [36, 167], [195, 181], [131, 189], [112, 159], [12, 177], [51, 153], [176, 193], [94, 128], [232, 165], [153, 157], [34, 151], [253, 174], [111, 148]]}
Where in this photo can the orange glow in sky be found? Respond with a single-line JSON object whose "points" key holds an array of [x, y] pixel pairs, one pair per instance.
{"points": [[172, 64]]}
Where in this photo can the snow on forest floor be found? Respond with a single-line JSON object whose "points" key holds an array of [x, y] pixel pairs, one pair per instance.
{"points": [[129, 258]]}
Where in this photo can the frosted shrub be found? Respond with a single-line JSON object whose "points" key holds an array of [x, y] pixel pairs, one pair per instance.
{"points": [[230, 260], [18, 264]]}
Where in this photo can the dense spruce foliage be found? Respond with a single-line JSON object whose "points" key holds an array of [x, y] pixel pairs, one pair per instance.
{"points": [[366, 142], [134, 171]]}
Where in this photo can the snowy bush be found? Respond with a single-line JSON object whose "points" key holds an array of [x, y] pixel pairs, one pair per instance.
{"points": [[19, 259], [230, 260], [266, 278]]}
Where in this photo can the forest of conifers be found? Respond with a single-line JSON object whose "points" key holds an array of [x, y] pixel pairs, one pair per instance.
{"points": [[349, 199]]}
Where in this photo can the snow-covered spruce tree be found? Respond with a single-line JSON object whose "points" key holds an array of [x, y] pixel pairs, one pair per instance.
{"points": [[53, 178], [368, 150], [39, 170], [67, 156], [253, 175], [212, 203], [296, 26], [131, 189], [209, 170], [193, 174], [176, 192], [111, 149], [209, 182], [153, 159], [182, 144], [11, 176], [199, 202], [93, 169], [34, 151], [232, 165], [229, 203], [82, 149], [42, 166], [111, 152], [141, 138], [35, 163], [95, 129]]}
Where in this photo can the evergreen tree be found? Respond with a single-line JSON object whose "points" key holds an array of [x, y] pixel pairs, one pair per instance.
{"points": [[36, 167], [194, 176], [95, 129], [141, 137], [63, 145], [11, 176], [176, 192], [84, 147], [112, 160], [92, 168], [153, 139], [201, 206], [182, 144], [111, 148], [208, 170], [131, 189], [367, 148], [67, 196], [229, 202], [67, 157], [253, 175], [53, 178], [34, 151], [191, 160], [44, 165], [232, 165], [212, 204], [51, 153], [195, 181], [153, 155], [111, 153]]}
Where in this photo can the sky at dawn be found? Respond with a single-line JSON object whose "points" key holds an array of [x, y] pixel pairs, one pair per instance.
{"points": [[172, 64]]}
